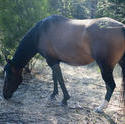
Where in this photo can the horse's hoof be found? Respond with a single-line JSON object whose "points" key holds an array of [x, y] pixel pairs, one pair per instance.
{"points": [[64, 103], [53, 97], [98, 110], [7, 96]]}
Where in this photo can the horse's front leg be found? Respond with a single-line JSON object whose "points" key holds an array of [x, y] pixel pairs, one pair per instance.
{"points": [[58, 76], [55, 91]]}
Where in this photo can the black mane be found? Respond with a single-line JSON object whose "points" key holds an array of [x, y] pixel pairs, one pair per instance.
{"points": [[27, 48]]}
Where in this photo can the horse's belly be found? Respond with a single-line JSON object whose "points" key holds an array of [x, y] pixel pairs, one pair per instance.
{"points": [[81, 62], [77, 60]]}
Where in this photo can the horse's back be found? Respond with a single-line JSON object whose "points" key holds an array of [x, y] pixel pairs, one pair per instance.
{"points": [[64, 40], [76, 41]]}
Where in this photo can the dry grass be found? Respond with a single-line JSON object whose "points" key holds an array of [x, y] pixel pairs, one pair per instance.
{"points": [[31, 104]]}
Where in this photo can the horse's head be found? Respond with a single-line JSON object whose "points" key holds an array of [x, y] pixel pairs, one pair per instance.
{"points": [[12, 79]]}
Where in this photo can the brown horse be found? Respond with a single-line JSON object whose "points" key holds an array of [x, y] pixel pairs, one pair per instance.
{"points": [[75, 42]]}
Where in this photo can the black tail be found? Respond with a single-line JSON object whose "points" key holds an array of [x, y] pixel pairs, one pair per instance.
{"points": [[122, 64], [123, 29], [123, 90]]}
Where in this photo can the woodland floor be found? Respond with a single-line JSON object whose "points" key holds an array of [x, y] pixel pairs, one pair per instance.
{"points": [[30, 104]]}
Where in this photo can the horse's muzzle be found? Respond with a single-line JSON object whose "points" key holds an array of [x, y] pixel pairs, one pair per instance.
{"points": [[6, 93], [7, 96]]}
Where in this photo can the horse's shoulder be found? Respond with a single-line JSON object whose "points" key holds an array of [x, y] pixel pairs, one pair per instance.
{"points": [[52, 21]]}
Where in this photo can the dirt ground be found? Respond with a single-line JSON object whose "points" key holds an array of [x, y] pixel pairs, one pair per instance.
{"points": [[31, 103]]}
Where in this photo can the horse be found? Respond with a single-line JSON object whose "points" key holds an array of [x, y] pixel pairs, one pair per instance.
{"points": [[74, 42]]}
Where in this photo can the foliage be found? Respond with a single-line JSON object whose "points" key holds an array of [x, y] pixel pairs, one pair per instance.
{"points": [[17, 16], [73, 8], [111, 8]]}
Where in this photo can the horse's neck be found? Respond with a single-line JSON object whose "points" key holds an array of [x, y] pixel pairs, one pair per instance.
{"points": [[26, 49]]}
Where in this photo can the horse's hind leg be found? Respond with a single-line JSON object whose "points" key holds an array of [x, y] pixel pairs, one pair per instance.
{"points": [[122, 64], [107, 75], [57, 76]]}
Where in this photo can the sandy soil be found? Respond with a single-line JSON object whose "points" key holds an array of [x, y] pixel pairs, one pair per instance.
{"points": [[30, 104]]}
